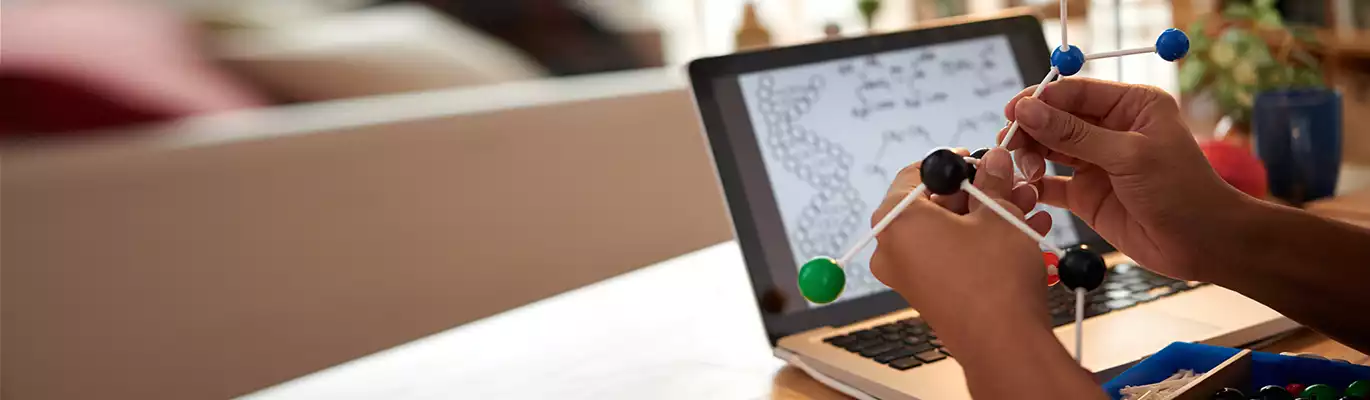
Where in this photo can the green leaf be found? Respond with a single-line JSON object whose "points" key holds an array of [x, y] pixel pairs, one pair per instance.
{"points": [[1192, 73], [1239, 11], [1271, 20], [1265, 4]]}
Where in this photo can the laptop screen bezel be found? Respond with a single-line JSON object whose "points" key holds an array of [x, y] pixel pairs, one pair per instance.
{"points": [[751, 202]]}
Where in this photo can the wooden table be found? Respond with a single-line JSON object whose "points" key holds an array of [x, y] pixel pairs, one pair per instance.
{"points": [[686, 328]]}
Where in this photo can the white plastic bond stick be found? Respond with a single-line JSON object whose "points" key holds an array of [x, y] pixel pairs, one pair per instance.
{"points": [[1120, 53], [1079, 324], [1014, 128], [1064, 44], [998, 209], [880, 226], [972, 160]]}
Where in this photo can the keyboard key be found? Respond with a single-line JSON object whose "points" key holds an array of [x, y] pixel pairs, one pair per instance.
{"points": [[877, 349], [1095, 310], [1125, 269], [930, 356], [912, 340], [842, 341], [1119, 304], [1138, 287], [1062, 319], [892, 337], [945, 351], [935, 342], [1062, 310], [1159, 281], [1143, 297], [909, 321], [1115, 286], [905, 363], [867, 334], [895, 354], [931, 335], [889, 328], [921, 347], [1128, 280], [864, 344], [1117, 294], [915, 331]]}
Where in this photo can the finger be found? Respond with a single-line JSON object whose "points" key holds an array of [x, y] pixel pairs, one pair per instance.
{"points": [[957, 202], [1065, 133], [1040, 223], [995, 175], [904, 182], [1051, 191], [1025, 197], [1032, 163], [1084, 97]]}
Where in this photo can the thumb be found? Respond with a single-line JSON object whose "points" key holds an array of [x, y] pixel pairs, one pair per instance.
{"points": [[1065, 133]]}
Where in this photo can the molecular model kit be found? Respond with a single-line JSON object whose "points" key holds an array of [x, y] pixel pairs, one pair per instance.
{"points": [[821, 280]]}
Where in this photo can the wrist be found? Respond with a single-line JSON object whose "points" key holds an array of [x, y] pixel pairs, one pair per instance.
{"points": [[994, 357], [1234, 229]]}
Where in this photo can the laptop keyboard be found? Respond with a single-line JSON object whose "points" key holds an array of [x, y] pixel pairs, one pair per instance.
{"points": [[908, 343]]}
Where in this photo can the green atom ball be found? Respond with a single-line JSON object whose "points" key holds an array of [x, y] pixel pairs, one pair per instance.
{"points": [[821, 280], [1320, 392], [1359, 388]]}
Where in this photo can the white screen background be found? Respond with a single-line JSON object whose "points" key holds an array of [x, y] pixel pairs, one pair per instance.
{"points": [[834, 134]]}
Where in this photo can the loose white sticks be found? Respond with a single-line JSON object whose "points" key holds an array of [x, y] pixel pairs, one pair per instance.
{"points": [[1120, 53], [880, 226], [998, 209], [1014, 127]]}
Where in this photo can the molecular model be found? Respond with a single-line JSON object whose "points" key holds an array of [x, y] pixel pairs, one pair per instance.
{"points": [[821, 280]]}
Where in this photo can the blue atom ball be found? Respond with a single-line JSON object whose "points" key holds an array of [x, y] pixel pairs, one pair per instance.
{"points": [[1068, 62], [1172, 45]]}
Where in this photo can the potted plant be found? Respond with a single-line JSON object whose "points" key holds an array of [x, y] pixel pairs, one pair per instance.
{"points": [[1245, 51], [1270, 89]]}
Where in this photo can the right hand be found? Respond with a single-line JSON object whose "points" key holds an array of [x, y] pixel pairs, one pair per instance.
{"points": [[1140, 179]]}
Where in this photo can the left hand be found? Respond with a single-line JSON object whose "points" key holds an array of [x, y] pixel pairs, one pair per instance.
{"points": [[956, 261]]}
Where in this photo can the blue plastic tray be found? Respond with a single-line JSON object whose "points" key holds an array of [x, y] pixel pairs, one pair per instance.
{"points": [[1266, 368]]}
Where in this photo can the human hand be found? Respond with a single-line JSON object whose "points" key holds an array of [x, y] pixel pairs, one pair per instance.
{"points": [[952, 256], [1140, 179]]}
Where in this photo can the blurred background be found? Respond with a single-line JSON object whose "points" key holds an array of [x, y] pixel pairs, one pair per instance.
{"points": [[203, 198]]}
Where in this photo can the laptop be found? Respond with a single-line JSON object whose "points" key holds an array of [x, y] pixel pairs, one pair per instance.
{"points": [[806, 140]]}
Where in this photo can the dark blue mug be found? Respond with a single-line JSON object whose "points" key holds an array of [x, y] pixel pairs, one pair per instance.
{"points": [[1297, 134]]}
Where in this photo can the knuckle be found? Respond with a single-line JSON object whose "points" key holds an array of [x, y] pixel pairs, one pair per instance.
{"points": [[1073, 130], [909, 171]]}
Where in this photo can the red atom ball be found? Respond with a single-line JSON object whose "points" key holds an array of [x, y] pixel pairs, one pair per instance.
{"points": [[1051, 262]]}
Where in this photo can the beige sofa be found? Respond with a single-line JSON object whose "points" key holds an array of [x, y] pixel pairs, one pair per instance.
{"points": [[212, 257]]}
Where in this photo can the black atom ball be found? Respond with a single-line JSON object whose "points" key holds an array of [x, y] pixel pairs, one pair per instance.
{"points": [[970, 169], [1081, 268], [943, 172], [1229, 394], [1274, 392]]}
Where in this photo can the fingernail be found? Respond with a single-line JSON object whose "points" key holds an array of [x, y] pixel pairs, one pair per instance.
{"points": [[1032, 113], [998, 163], [1031, 163]]}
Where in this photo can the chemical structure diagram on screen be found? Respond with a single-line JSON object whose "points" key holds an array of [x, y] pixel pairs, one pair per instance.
{"points": [[835, 212], [992, 78], [890, 87], [919, 137]]}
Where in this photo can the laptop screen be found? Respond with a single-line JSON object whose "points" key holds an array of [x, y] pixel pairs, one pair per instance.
{"points": [[833, 134]]}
